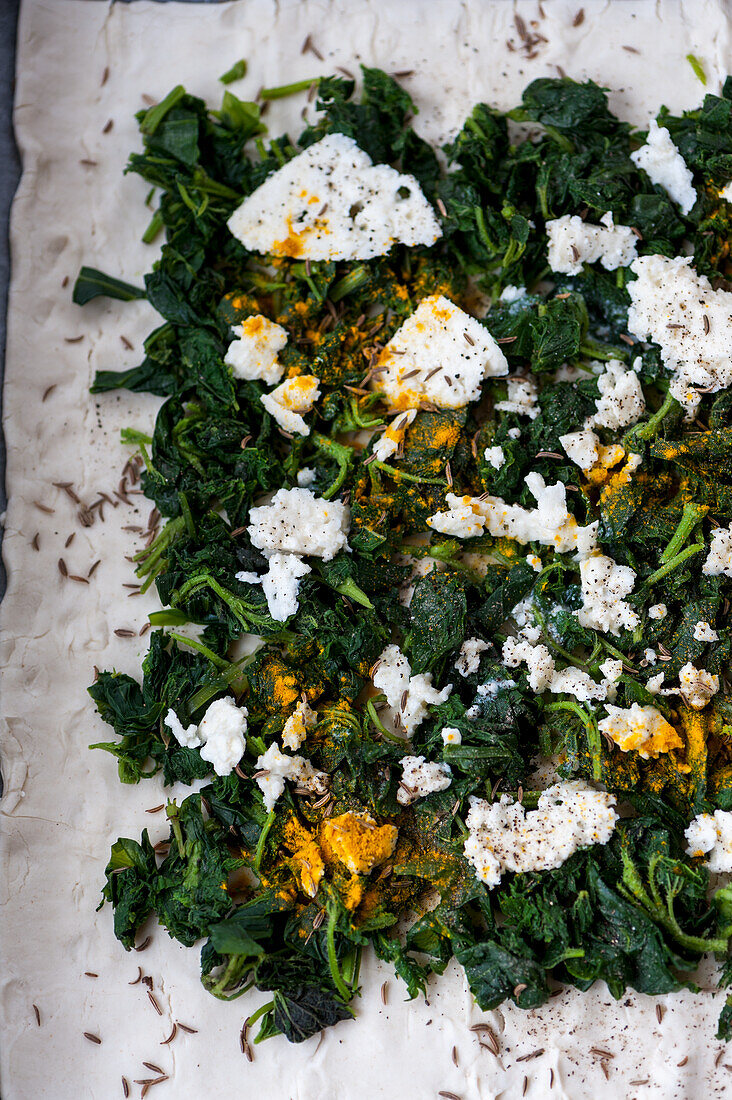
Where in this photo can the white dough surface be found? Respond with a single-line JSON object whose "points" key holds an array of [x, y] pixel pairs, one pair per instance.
{"points": [[63, 805]]}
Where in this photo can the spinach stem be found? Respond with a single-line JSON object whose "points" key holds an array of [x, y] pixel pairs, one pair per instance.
{"points": [[262, 841], [690, 516], [287, 89], [335, 973], [674, 563]]}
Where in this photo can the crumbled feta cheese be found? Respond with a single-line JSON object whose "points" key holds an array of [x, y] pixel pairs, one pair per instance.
{"points": [[295, 729], [697, 686], [469, 660], [451, 736], [535, 562], [187, 736], [573, 242], [393, 676], [649, 655], [290, 400], [612, 669], [439, 355], [664, 165], [543, 676], [692, 323], [253, 355], [655, 683], [421, 777], [514, 433], [582, 448], [298, 522], [657, 611], [220, 735], [280, 584], [512, 294], [726, 192], [719, 558], [332, 203], [711, 834], [604, 583], [278, 767], [550, 523], [522, 393], [223, 732], [495, 456], [621, 401], [492, 688], [306, 477], [573, 681], [643, 729], [391, 440], [504, 837], [704, 632]]}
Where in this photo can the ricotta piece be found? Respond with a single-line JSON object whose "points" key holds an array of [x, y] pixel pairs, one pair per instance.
{"points": [[719, 557], [421, 777], [273, 767], [573, 243], [280, 584], [410, 695], [640, 729], [295, 729], [521, 399], [621, 401], [604, 583], [503, 837], [697, 686], [331, 202], [664, 165], [705, 632], [543, 675], [692, 324], [550, 523], [451, 736], [440, 355], [468, 661], [711, 835], [252, 356], [495, 456], [657, 611], [391, 439], [290, 400], [298, 522], [221, 735]]}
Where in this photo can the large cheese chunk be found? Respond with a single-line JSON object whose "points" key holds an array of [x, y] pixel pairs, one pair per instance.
{"points": [[573, 242], [298, 522], [288, 401], [331, 202], [440, 356], [664, 165], [692, 323], [253, 354]]}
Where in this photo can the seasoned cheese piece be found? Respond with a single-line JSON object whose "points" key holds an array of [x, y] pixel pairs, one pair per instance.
{"points": [[719, 557], [253, 355], [440, 355], [664, 165], [692, 323], [298, 522], [711, 835], [295, 729], [355, 840], [331, 202], [573, 242], [273, 767], [604, 583], [410, 695], [421, 777], [391, 440], [640, 729], [290, 400]]}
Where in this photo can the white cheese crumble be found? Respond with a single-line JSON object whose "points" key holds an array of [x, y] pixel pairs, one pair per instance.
{"points": [[290, 400], [277, 766], [295, 729], [573, 242], [655, 683], [621, 401], [469, 660], [451, 736], [582, 448], [692, 323], [281, 584], [521, 399], [550, 523], [612, 669], [657, 611], [535, 562], [711, 835], [391, 440], [298, 522], [253, 355], [643, 729], [697, 686], [514, 433], [421, 777], [514, 293], [440, 355], [495, 456], [543, 676], [705, 632], [726, 192], [604, 583], [719, 558], [504, 837], [664, 165], [221, 735], [649, 655], [331, 202], [306, 476], [410, 695]]}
